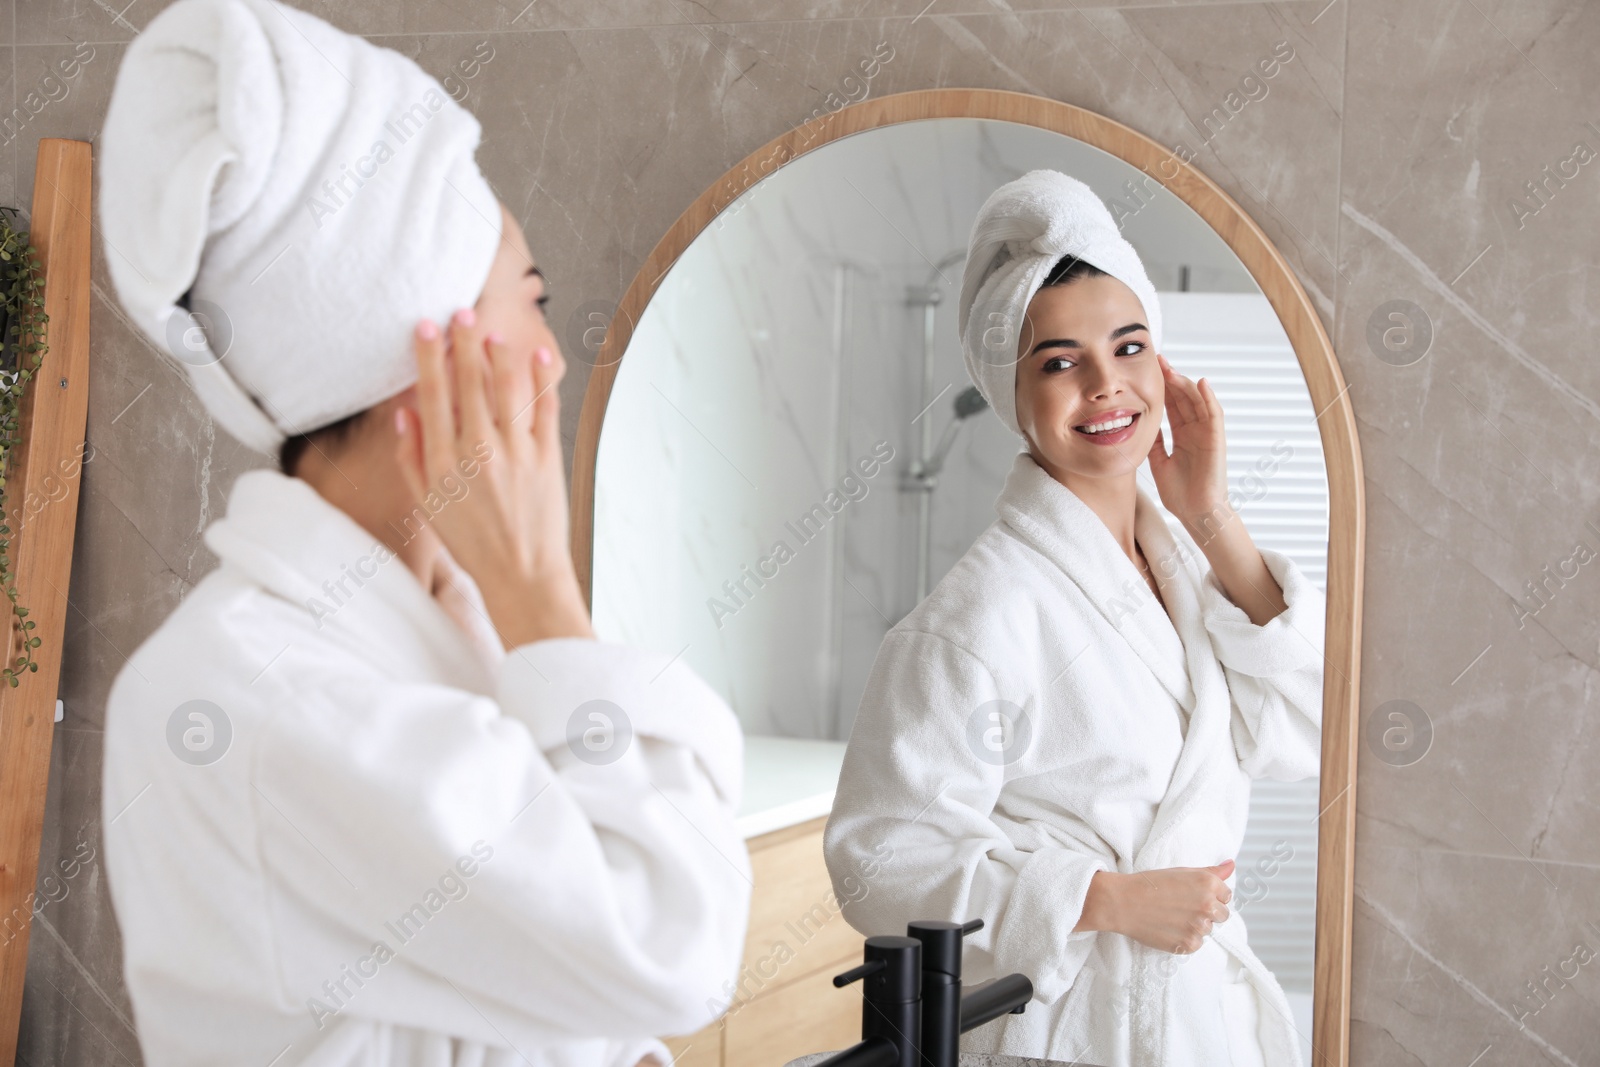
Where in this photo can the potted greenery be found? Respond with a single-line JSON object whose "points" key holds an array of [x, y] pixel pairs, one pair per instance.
{"points": [[22, 347]]}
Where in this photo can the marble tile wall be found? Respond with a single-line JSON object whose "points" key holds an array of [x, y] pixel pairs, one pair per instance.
{"points": [[1387, 163]]}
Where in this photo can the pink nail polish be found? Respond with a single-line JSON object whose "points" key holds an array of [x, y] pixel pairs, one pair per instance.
{"points": [[494, 337], [466, 317], [399, 422], [543, 356], [427, 330]]}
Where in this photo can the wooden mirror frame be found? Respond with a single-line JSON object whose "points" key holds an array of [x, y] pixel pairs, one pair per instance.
{"points": [[1335, 419]]}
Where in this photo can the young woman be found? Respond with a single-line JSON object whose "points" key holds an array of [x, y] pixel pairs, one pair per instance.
{"points": [[1060, 739], [373, 794]]}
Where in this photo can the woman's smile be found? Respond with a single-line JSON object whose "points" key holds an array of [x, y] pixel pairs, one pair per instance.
{"points": [[1111, 428]]}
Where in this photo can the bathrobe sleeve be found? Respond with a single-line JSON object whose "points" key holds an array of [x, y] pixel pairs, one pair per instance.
{"points": [[559, 863], [1274, 673], [913, 833]]}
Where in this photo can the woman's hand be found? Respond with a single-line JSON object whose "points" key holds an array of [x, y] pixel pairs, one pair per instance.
{"points": [[1172, 909], [496, 474], [1193, 478], [1193, 483]]}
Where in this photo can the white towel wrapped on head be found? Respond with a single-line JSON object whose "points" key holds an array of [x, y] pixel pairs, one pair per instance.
{"points": [[315, 196], [1025, 228]]}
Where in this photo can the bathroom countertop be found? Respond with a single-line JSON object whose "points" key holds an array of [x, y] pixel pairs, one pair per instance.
{"points": [[787, 781], [966, 1059]]}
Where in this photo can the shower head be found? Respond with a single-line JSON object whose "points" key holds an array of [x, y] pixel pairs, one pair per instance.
{"points": [[969, 402]]}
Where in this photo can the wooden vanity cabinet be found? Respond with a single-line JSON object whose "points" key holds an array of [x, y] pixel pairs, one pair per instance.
{"points": [[785, 1005]]}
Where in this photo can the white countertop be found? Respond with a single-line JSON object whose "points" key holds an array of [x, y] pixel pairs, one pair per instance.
{"points": [[787, 781]]}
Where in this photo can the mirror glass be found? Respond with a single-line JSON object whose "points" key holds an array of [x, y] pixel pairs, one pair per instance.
{"points": [[792, 456]]}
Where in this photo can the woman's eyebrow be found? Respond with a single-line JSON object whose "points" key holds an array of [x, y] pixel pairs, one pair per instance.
{"points": [[1067, 342], [535, 272]]}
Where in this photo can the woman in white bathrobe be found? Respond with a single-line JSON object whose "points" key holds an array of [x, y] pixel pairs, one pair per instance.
{"points": [[1060, 738], [373, 794]]}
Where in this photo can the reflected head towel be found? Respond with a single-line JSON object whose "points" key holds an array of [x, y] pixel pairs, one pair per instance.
{"points": [[280, 203], [1022, 230]]}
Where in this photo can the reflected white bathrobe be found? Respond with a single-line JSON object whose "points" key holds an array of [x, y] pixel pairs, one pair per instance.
{"points": [[393, 780], [1137, 751]]}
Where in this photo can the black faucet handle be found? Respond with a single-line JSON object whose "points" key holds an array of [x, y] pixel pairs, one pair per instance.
{"points": [[892, 970], [855, 974], [941, 943]]}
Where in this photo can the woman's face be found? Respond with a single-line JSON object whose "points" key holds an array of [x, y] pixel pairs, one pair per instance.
{"points": [[512, 302], [513, 297], [1084, 359]]}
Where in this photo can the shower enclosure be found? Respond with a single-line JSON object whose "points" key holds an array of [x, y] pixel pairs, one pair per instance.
{"points": [[921, 476]]}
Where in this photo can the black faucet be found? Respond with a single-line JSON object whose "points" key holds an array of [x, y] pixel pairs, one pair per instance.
{"points": [[891, 1004], [913, 1009]]}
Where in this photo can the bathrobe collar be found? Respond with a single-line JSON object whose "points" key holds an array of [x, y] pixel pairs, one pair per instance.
{"points": [[294, 544], [1050, 517]]}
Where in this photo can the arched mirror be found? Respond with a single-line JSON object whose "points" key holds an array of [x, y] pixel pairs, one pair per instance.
{"points": [[780, 451]]}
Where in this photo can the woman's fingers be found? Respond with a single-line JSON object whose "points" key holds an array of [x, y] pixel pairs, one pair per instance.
{"points": [[1188, 398], [466, 348], [1197, 399], [547, 371], [1180, 391], [1223, 871], [1173, 395], [1200, 406], [513, 396], [1212, 404], [437, 421]]}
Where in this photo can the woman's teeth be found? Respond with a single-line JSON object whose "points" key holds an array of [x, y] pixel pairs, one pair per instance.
{"points": [[1109, 426]]}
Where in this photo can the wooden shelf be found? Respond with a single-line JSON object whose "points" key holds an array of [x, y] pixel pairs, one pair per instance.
{"points": [[42, 511]]}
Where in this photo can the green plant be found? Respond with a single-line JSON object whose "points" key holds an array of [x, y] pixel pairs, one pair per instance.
{"points": [[22, 347]]}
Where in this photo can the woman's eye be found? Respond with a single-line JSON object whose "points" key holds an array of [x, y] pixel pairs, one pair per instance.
{"points": [[1137, 346], [1056, 363], [543, 302]]}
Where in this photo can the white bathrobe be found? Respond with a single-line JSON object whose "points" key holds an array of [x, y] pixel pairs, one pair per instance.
{"points": [[1137, 752], [393, 780]]}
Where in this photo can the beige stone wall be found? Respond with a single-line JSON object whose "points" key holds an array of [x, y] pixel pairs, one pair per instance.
{"points": [[1384, 161]]}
